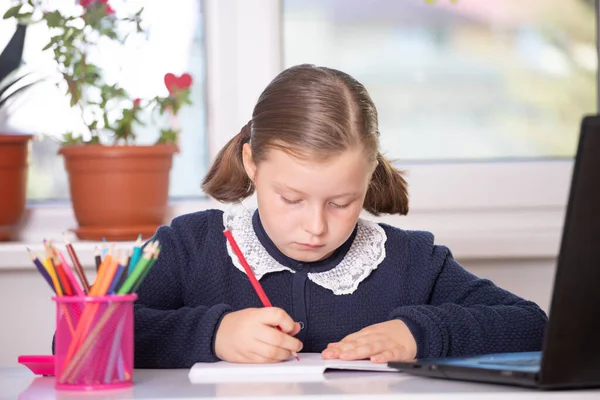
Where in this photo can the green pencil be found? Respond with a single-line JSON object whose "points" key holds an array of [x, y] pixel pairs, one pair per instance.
{"points": [[138, 269], [146, 270]]}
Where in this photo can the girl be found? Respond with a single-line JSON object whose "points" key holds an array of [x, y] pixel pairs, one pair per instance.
{"points": [[340, 285]]}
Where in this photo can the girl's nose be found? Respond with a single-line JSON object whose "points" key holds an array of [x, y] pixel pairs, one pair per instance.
{"points": [[315, 222]]}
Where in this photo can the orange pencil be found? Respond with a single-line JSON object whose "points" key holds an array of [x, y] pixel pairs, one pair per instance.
{"points": [[105, 273]]}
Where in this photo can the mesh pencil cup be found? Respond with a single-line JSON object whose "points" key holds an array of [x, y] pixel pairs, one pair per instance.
{"points": [[94, 342]]}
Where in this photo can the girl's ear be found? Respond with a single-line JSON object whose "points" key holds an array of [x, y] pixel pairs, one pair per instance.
{"points": [[248, 161]]}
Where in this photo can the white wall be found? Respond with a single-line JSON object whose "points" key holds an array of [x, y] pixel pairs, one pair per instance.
{"points": [[27, 312]]}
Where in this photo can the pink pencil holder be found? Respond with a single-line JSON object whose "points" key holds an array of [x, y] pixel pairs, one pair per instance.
{"points": [[94, 342]]}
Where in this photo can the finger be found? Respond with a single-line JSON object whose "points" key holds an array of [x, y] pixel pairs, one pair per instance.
{"points": [[367, 331], [388, 356], [254, 358], [331, 353], [296, 329], [365, 339], [270, 352], [345, 346], [274, 337], [366, 350], [275, 316], [357, 335]]}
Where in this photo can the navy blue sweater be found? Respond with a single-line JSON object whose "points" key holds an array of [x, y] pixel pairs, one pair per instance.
{"points": [[449, 311]]}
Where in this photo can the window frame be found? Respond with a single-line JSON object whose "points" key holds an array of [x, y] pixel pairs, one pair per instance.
{"points": [[480, 210]]}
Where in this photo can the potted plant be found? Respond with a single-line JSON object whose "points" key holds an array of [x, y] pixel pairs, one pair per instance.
{"points": [[14, 146], [118, 189]]}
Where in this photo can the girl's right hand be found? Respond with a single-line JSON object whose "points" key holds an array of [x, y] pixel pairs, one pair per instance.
{"points": [[251, 336]]}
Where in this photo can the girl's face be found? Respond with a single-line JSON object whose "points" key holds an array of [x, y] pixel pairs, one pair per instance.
{"points": [[309, 209]]}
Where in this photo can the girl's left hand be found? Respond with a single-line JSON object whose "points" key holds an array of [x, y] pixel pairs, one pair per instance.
{"points": [[381, 343]]}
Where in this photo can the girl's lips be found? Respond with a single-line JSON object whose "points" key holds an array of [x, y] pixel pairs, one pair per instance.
{"points": [[310, 246]]}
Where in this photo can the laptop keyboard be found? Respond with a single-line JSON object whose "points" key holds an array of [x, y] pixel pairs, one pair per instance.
{"points": [[520, 362]]}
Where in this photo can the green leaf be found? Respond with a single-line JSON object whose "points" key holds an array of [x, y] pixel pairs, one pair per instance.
{"points": [[50, 44], [54, 19], [168, 136], [24, 17], [12, 12], [30, 2], [70, 139]]}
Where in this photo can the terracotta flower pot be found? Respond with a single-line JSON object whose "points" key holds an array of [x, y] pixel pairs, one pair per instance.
{"points": [[14, 160], [118, 192]]}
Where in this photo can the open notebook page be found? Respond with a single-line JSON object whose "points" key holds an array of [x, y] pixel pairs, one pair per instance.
{"points": [[311, 367]]}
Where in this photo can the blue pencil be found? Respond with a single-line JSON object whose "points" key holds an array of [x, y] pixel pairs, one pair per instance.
{"points": [[41, 268], [104, 248], [121, 268], [137, 252]]}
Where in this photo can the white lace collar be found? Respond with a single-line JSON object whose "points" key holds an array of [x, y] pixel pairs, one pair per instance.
{"points": [[366, 252]]}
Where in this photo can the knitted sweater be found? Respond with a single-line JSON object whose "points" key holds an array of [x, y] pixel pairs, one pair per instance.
{"points": [[448, 310]]}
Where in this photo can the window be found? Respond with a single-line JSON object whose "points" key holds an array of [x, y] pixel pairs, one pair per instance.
{"points": [[470, 80], [482, 199], [175, 44]]}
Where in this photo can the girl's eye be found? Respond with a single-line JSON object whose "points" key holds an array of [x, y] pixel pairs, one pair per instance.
{"points": [[288, 201], [339, 205]]}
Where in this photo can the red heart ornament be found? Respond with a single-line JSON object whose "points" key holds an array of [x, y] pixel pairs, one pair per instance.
{"points": [[175, 83]]}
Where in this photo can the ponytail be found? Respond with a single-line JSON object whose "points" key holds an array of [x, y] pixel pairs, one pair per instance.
{"points": [[226, 180], [388, 191]]}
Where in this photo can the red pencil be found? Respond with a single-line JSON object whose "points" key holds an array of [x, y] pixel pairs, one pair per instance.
{"points": [[257, 288]]}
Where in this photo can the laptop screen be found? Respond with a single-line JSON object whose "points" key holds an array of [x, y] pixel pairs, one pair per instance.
{"points": [[572, 336]]}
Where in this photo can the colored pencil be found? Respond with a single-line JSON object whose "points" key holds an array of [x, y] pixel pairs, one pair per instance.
{"points": [[62, 273], [97, 258], [112, 278], [146, 270], [138, 269], [49, 263], [122, 264], [38, 264], [137, 252], [72, 361], [125, 273], [255, 284], [105, 273], [52, 272], [71, 278], [77, 265], [104, 248]]}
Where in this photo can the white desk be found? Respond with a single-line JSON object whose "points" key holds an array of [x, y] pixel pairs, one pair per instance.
{"points": [[19, 383]]}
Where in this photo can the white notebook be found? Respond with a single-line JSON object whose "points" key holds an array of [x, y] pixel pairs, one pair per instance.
{"points": [[311, 367]]}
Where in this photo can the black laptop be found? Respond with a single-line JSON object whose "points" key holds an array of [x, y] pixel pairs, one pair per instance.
{"points": [[570, 356]]}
